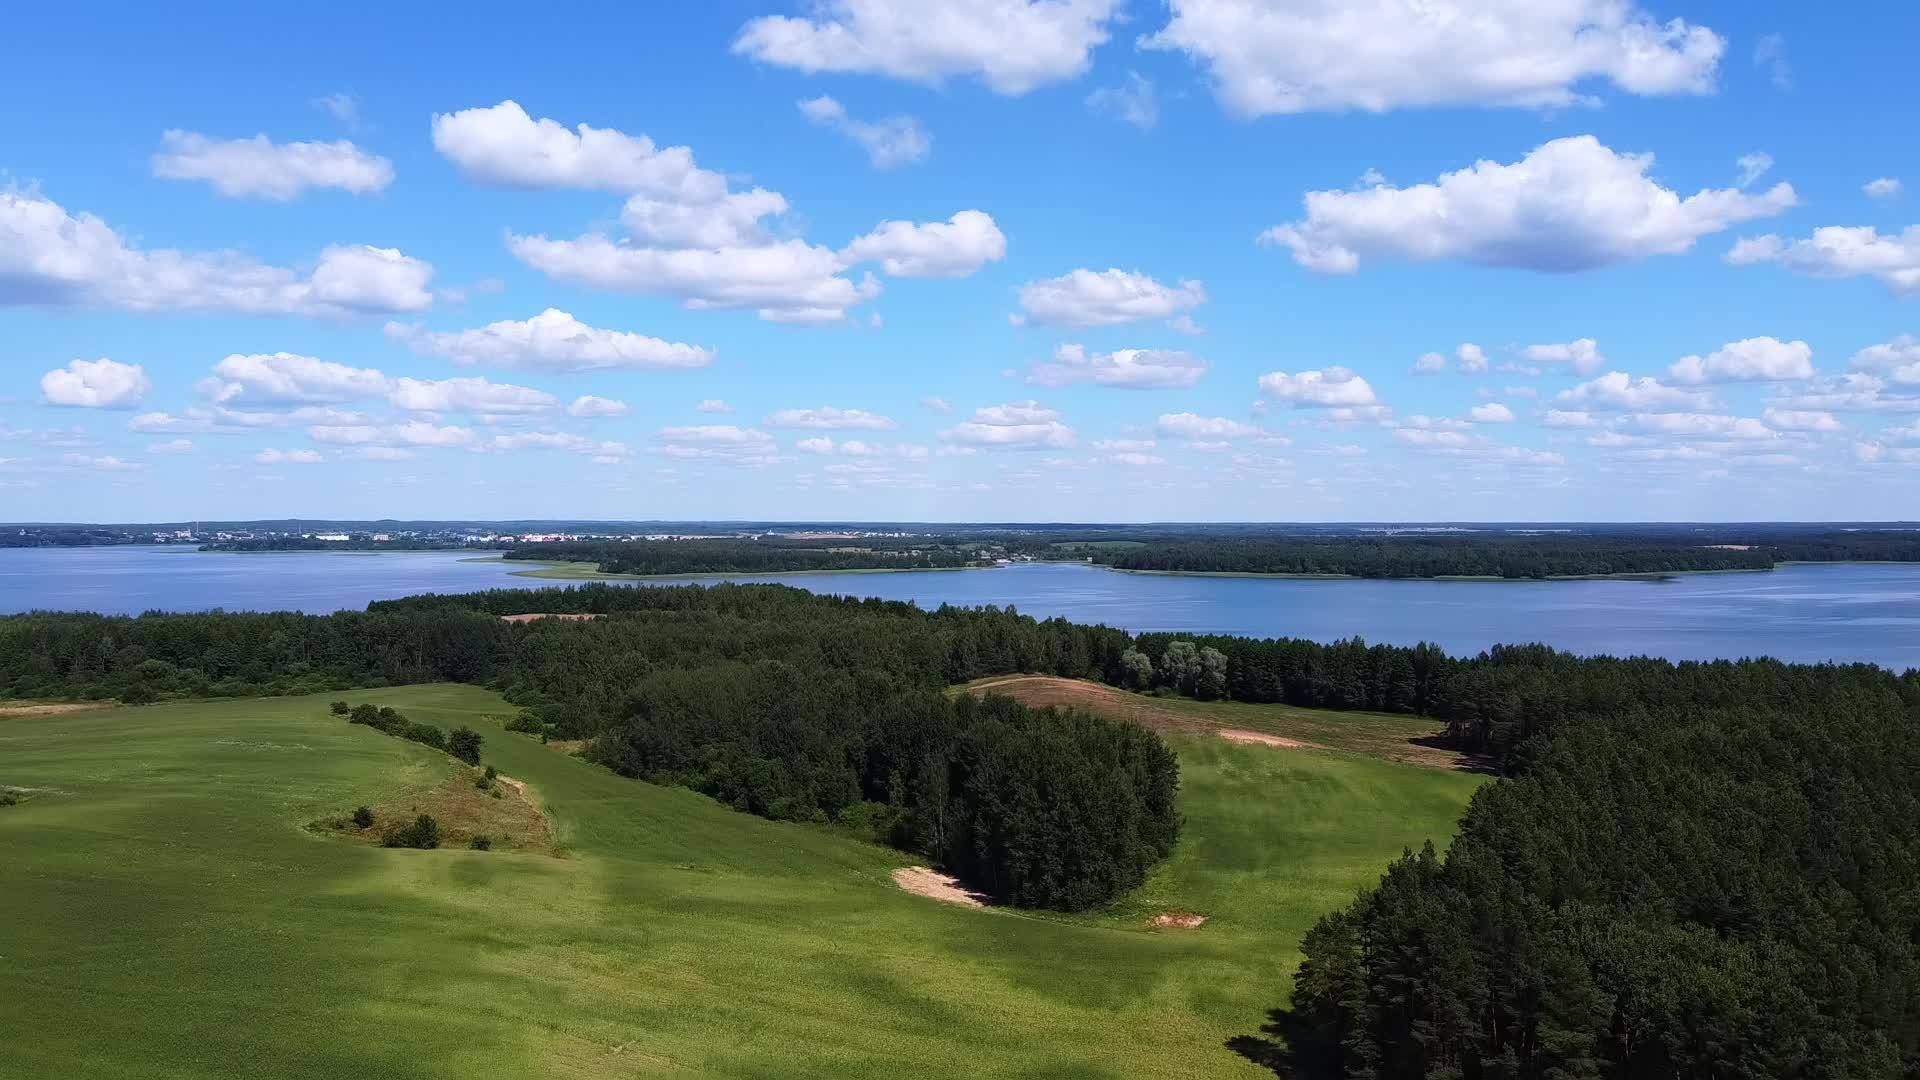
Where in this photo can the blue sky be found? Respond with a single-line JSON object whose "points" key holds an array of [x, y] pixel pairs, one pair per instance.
{"points": [[1061, 259]]}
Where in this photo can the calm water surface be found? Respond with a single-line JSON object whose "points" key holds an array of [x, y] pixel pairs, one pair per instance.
{"points": [[1831, 612]]}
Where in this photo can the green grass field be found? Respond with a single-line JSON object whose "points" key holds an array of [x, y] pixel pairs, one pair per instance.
{"points": [[164, 912]]}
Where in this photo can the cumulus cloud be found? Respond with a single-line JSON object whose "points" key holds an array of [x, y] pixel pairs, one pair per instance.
{"points": [[725, 443], [1188, 425], [171, 447], [828, 418], [953, 248], [1853, 392], [95, 384], [288, 379], [589, 406], [1571, 204], [1760, 359], [51, 257], [1898, 360], [1700, 425], [1842, 251], [819, 444], [937, 405], [501, 144], [1133, 101], [418, 433], [1011, 45], [1800, 420], [288, 457], [1432, 363], [262, 169], [1492, 412], [1019, 424], [713, 405], [1473, 359], [1568, 418], [787, 281], [105, 463], [1334, 387], [897, 140], [1616, 390], [473, 395], [1376, 55], [1133, 369], [1107, 298], [1582, 355], [1885, 187], [554, 341]]}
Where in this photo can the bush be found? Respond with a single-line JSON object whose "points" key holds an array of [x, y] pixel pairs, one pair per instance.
{"points": [[363, 818], [529, 722], [422, 733], [492, 773], [482, 842], [341, 708], [423, 833], [365, 714], [464, 744], [8, 798], [483, 783]]}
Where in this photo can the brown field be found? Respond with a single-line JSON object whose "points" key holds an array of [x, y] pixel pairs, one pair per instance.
{"points": [[1405, 739], [50, 709], [565, 617]]}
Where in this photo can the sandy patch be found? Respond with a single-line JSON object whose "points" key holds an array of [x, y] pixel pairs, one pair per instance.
{"points": [[1255, 737], [519, 786], [1179, 920], [563, 617], [50, 710], [934, 885]]}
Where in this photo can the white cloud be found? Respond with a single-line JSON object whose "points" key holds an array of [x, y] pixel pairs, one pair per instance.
{"points": [[1107, 298], [1184, 324], [48, 256], [897, 140], [1188, 425], [1334, 387], [719, 442], [1899, 359], [1583, 355], [1618, 390], [1800, 420], [1842, 251], [1473, 359], [552, 340], [1136, 460], [260, 168], [342, 106], [1571, 204], [1432, 363], [1124, 446], [1770, 54], [1852, 392], [1132, 101], [1011, 45], [1760, 359], [828, 418], [473, 395], [1886, 187], [1700, 425], [938, 405], [1752, 167], [953, 248], [788, 281], [1492, 412], [590, 406], [713, 405], [1134, 369], [1565, 418], [95, 384], [288, 457], [416, 433], [288, 379], [106, 463], [501, 144], [171, 446], [1331, 55], [1020, 424], [819, 444]]}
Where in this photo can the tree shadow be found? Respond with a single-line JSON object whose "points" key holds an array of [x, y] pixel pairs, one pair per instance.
{"points": [[1473, 763], [1272, 1049]]}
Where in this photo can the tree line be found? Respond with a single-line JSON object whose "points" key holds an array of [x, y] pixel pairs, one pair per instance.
{"points": [[731, 556]]}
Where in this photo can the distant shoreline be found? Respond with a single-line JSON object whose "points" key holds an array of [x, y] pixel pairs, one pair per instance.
{"points": [[579, 571], [1471, 579]]}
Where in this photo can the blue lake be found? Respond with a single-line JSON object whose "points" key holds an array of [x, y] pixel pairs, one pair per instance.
{"points": [[1866, 612]]}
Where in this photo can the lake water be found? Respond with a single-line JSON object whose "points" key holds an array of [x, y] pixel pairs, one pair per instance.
{"points": [[1868, 612]]}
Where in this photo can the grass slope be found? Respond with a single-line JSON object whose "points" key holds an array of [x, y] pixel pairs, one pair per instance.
{"points": [[166, 914]]}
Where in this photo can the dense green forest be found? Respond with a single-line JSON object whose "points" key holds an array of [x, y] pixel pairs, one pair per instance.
{"points": [[1501, 557], [743, 556], [1690, 869]]}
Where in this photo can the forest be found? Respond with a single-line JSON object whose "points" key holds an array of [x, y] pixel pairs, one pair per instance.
{"points": [[1688, 868], [1503, 557], [744, 556]]}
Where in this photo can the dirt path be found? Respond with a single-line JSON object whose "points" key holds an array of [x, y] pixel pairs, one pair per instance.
{"points": [[50, 710], [934, 885], [1254, 737]]}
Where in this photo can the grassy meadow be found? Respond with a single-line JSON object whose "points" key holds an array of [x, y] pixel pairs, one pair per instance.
{"points": [[167, 912]]}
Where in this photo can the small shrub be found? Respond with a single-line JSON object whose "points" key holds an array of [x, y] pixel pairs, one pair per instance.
{"points": [[483, 783], [492, 773], [423, 833], [8, 798], [464, 744], [364, 714], [422, 733], [494, 791], [363, 818], [341, 708], [482, 842], [529, 722]]}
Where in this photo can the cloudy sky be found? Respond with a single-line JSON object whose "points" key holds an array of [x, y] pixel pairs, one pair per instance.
{"points": [[987, 259]]}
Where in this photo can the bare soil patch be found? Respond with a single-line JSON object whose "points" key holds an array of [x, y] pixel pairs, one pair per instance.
{"points": [[1254, 737], [463, 811], [934, 885], [53, 709], [1179, 920], [562, 616]]}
